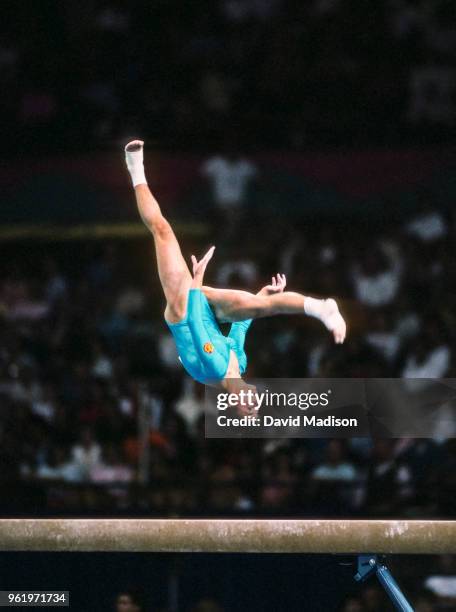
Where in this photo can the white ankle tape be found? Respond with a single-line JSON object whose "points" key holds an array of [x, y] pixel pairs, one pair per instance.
{"points": [[135, 166], [313, 307], [138, 176]]}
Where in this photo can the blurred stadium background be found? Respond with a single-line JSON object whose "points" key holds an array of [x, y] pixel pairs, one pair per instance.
{"points": [[311, 138]]}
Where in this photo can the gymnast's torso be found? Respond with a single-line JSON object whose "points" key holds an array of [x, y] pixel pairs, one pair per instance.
{"points": [[203, 350]]}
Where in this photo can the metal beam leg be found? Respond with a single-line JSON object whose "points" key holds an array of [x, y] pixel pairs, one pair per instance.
{"points": [[369, 565]]}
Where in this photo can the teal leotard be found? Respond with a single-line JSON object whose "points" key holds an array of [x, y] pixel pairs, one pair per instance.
{"points": [[203, 350]]}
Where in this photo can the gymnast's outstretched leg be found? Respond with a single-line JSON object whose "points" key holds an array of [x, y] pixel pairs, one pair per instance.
{"points": [[174, 274], [231, 305]]}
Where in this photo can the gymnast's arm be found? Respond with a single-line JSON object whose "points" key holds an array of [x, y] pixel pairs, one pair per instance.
{"points": [[199, 268]]}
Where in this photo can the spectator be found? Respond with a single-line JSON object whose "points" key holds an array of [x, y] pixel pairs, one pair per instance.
{"points": [[129, 601], [45, 406], [230, 176], [336, 467], [428, 359], [59, 467], [190, 405], [278, 472], [385, 480], [428, 226], [377, 279], [383, 338], [237, 274], [443, 583], [110, 468], [102, 366], [86, 454]]}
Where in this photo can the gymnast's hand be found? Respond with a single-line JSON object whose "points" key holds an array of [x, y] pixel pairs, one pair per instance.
{"points": [[277, 285], [199, 267]]}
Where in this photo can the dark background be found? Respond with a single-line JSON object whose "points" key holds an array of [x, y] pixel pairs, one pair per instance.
{"points": [[346, 111]]}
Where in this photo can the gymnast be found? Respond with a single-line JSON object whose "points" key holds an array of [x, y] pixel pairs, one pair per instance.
{"points": [[193, 310]]}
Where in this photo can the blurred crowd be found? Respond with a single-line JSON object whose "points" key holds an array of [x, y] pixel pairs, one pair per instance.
{"points": [[97, 415], [92, 391], [280, 72]]}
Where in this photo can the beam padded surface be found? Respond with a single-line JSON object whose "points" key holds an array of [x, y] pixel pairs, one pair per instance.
{"points": [[244, 536]]}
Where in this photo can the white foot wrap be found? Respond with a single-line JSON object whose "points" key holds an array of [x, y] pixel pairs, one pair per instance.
{"points": [[328, 313], [135, 162]]}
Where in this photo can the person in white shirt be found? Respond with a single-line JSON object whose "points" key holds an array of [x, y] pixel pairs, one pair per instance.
{"points": [[86, 453], [336, 466], [377, 280], [427, 362], [230, 177], [428, 225]]}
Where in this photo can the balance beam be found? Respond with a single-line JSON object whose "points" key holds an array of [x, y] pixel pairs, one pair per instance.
{"points": [[228, 536]]}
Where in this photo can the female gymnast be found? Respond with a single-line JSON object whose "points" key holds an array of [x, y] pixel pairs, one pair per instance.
{"points": [[192, 310]]}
